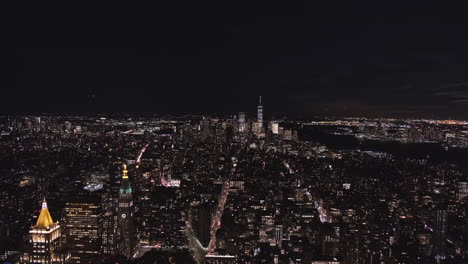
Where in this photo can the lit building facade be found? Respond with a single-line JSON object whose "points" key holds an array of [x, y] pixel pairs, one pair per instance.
{"points": [[83, 228], [110, 229], [45, 239], [440, 233], [126, 214], [221, 259], [260, 111], [241, 121]]}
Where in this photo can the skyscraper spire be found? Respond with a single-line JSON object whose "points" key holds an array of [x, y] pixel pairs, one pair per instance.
{"points": [[125, 172], [260, 111], [44, 220]]}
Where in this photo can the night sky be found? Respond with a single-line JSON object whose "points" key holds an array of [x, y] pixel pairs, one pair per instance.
{"points": [[305, 59]]}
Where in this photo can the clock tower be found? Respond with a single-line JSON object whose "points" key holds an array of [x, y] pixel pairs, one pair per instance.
{"points": [[126, 215]]}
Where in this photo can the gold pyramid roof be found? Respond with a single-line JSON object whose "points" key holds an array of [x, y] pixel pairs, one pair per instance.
{"points": [[44, 220]]}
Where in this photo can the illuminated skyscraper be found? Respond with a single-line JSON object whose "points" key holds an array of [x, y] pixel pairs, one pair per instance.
{"points": [[440, 232], [45, 239], [260, 111], [274, 127], [110, 228], [241, 121], [126, 214], [83, 228]]}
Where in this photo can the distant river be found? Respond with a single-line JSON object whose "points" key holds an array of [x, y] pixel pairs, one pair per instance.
{"points": [[432, 151]]}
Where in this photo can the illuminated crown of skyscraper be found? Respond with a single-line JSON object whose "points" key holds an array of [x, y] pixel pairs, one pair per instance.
{"points": [[125, 172], [44, 220], [125, 187]]}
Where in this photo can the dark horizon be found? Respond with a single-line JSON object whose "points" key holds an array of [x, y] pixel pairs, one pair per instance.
{"points": [[304, 59]]}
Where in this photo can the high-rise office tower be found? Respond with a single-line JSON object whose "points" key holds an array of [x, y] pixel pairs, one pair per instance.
{"points": [[110, 227], [83, 228], [45, 239], [274, 127], [260, 111], [126, 214], [440, 232], [241, 121], [278, 235]]}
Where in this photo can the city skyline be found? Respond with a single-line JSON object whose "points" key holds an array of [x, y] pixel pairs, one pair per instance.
{"points": [[236, 189]]}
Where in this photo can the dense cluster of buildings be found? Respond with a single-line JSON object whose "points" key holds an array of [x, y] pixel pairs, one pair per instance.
{"points": [[226, 190]]}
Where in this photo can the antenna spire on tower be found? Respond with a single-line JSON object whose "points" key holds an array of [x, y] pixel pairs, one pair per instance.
{"points": [[125, 175]]}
